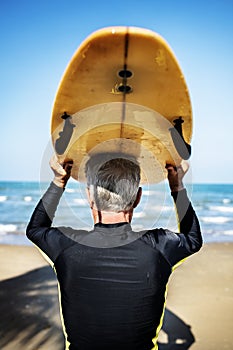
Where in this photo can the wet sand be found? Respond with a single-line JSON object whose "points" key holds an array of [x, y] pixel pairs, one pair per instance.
{"points": [[198, 312]]}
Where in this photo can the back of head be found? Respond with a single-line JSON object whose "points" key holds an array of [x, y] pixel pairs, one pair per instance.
{"points": [[113, 183]]}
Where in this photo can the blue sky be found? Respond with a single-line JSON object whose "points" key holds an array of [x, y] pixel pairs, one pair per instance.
{"points": [[38, 38]]}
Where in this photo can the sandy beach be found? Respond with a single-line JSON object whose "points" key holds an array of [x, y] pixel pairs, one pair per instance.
{"points": [[198, 316]]}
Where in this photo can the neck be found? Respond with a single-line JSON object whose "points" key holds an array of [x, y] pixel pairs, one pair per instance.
{"points": [[108, 217]]}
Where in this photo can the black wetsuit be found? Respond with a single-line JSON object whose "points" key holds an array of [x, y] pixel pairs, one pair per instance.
{"points": [[113, 280]]}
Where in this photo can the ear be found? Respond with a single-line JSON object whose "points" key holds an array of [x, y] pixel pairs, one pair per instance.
{"points": [[89, 193], [138, 198], [89, 197]]}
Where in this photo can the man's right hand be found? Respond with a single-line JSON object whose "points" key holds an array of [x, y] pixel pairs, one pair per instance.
{"points": [[61, 170], [175, 176]]}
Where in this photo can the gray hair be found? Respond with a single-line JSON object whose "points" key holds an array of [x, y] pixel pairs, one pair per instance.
{"points": [[113, 183]]}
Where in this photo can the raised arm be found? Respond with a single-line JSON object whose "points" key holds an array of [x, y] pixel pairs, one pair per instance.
{"points": [[39, 229], [176, 247], [187, 219]]}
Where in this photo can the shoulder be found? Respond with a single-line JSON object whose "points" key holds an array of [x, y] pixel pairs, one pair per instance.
{"points": [[160, 237], [152, 237], [74, 235], [54, 240]]}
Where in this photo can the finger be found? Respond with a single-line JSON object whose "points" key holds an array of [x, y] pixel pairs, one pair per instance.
{"points": [[170, 167], [56, 166], [53, 159], [67, 166], [185, 166], [68, 163]]}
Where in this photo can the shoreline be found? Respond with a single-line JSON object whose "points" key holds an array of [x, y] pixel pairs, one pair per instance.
{"points": [[198, 310], [19, 238]]}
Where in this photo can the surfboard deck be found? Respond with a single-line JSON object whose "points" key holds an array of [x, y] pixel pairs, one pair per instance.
{"points": [[122, 91]]}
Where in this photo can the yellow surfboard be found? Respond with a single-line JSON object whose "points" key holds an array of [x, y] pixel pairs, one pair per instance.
{"points": [[123, 93]]}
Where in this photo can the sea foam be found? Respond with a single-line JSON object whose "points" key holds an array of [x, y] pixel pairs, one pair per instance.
{"points": [[3, 198], [228, 232], [80, 202], [4, 229], [215, 219], [222, 209]]}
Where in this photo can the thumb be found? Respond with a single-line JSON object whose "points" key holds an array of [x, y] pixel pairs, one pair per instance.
{"points": [[184, 166]]}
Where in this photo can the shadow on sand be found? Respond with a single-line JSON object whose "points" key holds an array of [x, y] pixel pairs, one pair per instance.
{"points": [[29, 312], [179, 335]]}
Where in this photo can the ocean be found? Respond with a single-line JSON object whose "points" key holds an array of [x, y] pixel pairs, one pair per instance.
{"points": [[213, 204]]}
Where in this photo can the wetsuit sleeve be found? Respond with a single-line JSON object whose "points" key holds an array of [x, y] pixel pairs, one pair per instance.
{"points": [[177, 246], [50, 240]]}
